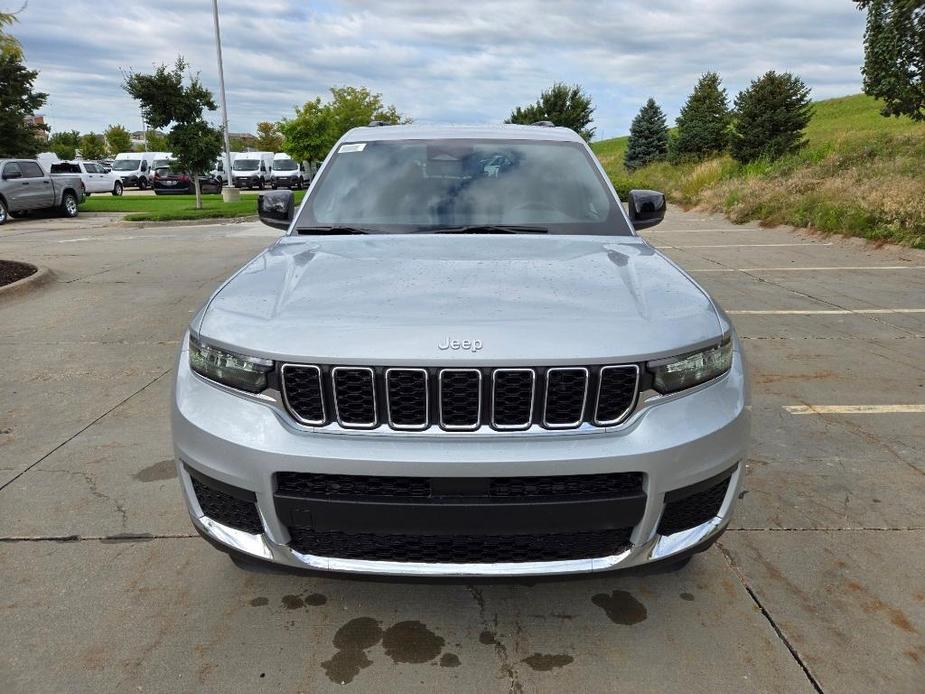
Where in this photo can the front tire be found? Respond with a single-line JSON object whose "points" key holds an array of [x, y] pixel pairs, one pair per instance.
{"points": [[142, 184], [263, 183], [69, 205], [117, 189], [4, 213]]}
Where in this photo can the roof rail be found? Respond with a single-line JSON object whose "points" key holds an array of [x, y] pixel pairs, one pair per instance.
{"points": [[544, 124], [377, 124]]}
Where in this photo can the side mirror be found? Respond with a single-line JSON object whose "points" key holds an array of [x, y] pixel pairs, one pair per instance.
{"points": [[276, 208], [646, 208]]}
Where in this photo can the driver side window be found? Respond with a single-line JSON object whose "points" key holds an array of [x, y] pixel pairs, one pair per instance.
{"points": [[12, 170]]}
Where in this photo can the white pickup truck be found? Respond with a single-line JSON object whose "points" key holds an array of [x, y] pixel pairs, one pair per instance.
{"points": [[25, 186], [95, 178]]}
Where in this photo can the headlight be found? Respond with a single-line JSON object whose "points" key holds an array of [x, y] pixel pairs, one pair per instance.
{"points": [[691, 369], [230, 369]]}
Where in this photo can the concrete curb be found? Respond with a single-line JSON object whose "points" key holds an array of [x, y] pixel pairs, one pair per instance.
{"points": [[42, 275], [208, 221]]}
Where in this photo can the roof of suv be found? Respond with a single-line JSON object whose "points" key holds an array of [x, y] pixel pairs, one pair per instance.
{"points": [[473, 132]]}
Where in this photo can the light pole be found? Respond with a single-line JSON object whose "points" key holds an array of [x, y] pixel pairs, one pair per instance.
{"points": [[221, 89]]}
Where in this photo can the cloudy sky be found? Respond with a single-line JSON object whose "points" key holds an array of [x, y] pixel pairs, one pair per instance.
{"points": [[437, 61]]}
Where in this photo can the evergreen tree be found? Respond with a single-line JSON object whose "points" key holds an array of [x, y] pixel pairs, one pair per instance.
{"points": [[18, 138], [648, 140], [770, 116], [703, 124], [894, 55], [565, 106]]}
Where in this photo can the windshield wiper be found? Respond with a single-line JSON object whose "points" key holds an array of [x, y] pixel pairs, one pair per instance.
{"points": [[486, 229], [333, 231]]}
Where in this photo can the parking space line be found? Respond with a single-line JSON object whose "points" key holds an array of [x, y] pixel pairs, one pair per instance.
{"points": [[854, 409], [746, 245], [823, 312], [805, 269]]}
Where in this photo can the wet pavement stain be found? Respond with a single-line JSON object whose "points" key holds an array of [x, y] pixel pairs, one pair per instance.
{"points": [[449, 660], [164, 470], [621, 607], [352, 640], [488, 638], [411, 642], [259, 602], [292, 602], [687, 596], [316, 599], [544, 662]]}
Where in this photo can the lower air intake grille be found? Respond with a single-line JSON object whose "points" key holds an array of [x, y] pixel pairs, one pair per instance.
{"points": [[455, 549], [693, 510], [226, 509]]}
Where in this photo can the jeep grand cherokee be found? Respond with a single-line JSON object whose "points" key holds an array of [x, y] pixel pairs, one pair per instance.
{"points": [[461, 359]]}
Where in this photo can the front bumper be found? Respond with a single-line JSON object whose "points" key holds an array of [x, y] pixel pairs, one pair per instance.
{"points": [[285, 181], [676, 442], [246, 181]]}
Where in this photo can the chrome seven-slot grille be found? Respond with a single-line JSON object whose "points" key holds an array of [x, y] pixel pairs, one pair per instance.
{"points": [[461, 399]]}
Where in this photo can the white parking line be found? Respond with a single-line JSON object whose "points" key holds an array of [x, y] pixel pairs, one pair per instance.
{"points": [[824, 312], [807, 269], [853, 409], [747, 245]]}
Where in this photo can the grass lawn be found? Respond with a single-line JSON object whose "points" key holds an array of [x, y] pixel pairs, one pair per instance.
{"points": [[860, 174], [159, 208]]}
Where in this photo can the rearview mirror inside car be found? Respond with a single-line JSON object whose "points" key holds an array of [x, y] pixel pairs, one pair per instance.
{"points": [[276, 208], [646, 208]]}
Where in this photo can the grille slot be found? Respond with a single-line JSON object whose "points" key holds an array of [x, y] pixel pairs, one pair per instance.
{"points": [[548, 487], [616, 393], [693, 510], [355, 397], [461, 548], [407, 398], [460, 399], [303, 393], [512, 398], [566, 392]]}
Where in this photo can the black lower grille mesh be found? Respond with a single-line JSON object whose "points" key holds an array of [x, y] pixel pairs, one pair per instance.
{"points": [[461, 548], [226, 509], [550, 487], [693, 510]]}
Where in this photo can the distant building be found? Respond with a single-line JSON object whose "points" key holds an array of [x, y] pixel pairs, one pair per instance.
{"points": [[38, 122]]}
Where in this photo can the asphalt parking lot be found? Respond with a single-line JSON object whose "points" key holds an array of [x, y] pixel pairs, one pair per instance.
{"points": [[817, 586]]}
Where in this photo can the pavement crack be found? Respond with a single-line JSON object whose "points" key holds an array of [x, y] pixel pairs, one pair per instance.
{"points": [[767, 615], [491, 628], [79, 432], [95, 491], [118, 537]]}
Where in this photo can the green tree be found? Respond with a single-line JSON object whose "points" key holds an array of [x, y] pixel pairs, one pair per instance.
{"points": [[317, 125], [770, 116], [269, 138], [118, 139], [156, 141], [703, 124], [648, 139], [64, 143], [18, 101], [565, 106], [237, 144], [175, 96], [894, 55], [8, 43], [92, 146]]}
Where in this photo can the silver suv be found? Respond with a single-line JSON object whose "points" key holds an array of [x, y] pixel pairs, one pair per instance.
{"points": [[448, 366]]}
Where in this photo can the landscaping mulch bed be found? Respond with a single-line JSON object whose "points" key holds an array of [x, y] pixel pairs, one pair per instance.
{"points": [[11, 271]]}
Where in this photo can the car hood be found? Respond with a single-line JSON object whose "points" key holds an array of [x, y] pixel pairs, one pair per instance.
{"points": [[526, 300]]}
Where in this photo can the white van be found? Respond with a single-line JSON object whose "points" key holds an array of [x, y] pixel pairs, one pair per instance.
{"points": [[136, 169], [286, 173], [218, 168], [251, 169]]}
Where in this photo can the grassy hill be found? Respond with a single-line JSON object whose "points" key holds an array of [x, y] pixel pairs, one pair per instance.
{"points": [[860, 174]]}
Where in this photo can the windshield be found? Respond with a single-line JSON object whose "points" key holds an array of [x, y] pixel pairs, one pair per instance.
{"points": [[162, 163], [126, 164], [420, 185], [245, 164], [284, 165]]}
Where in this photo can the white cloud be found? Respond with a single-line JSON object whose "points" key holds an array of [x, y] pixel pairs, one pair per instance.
{"points": [[457, 62]]}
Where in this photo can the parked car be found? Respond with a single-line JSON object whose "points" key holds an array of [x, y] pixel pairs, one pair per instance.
{"points": [[170, 181], [95, 178], [218, 169], [251, 169], [286, 173], [25, 186], [106, 164], [136, 169], [445, 370]]}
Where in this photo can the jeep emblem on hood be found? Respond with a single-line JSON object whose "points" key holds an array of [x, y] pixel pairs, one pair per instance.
{"points": [[471, 345]]}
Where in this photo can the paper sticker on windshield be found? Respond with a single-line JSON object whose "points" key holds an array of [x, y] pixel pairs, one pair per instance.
{"points": [[354, 147]]}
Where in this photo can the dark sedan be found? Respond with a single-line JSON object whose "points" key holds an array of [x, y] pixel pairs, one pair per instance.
{"points": [[169, 181]]}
